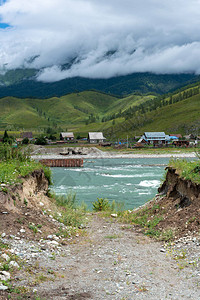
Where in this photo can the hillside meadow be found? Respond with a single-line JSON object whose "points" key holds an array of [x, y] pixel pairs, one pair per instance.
{"points": [[94, 111]]}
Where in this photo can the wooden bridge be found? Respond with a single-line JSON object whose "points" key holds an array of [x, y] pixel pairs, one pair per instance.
{"points": [[66, 163]]}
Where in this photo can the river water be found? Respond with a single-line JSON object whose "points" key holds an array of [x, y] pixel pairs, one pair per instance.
{"points": [[128, 181]]}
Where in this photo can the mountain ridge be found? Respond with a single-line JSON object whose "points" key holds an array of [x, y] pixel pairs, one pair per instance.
{"points": [[23, 84]]}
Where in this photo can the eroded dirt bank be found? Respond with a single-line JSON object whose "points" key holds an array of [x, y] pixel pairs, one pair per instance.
{"points": [[181, 203]]}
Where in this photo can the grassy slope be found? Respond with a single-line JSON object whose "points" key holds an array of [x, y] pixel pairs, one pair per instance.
{"points": [[177, 117], [72, 110]]}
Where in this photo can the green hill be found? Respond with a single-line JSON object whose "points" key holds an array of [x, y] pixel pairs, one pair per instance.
{"points": [[72, 109], [116, 117], [182, 116]]}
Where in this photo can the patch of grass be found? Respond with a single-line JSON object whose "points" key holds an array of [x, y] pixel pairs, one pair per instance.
{"points": [[72, 215], [189, 170], [34, 227], [148, 218], [14, 164], [3, 245]]}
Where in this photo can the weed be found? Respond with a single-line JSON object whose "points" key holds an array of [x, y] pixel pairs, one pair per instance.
{"points": [[101, 204], [20, 220], [25, 202], [3, 245], [33, 227], [5, 267]]}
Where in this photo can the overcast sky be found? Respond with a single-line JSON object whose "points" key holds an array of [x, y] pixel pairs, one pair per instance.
{"points": [[103, 38]]}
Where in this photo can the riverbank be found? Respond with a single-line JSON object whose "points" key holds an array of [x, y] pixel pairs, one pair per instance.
{"points": [[93, 152]]}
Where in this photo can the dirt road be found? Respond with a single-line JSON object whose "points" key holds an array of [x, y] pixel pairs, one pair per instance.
{"points": [[113, 261]]}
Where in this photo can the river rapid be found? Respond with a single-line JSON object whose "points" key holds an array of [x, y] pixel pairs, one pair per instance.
{"points": [[130, 182]]}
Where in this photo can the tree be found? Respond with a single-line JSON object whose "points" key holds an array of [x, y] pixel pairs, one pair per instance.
{"points": [[25, 141], [5, 137]]}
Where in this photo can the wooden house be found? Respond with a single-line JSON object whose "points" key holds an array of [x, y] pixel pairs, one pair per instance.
{"points": [[67, 136], [96, 137]]}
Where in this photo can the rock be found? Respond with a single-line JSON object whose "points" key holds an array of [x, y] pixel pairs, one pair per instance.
{"points": [[162, 250], [4, 275], [22, 230], [53, 243], [5, 256], [14, 264], [3, 235], [3, 287], [50, 237], [113, 215]]}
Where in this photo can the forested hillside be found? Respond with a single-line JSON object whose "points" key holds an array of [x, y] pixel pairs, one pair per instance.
{"points": [[22, 83]]}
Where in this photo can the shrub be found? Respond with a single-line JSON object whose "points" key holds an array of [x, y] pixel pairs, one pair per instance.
{"points": [[101, 204]]}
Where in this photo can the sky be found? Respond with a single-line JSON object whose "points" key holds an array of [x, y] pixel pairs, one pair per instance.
{"points": [[100, 38]]}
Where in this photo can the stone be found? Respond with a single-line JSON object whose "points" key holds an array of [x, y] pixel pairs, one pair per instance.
{"points": [[14, 264], [5, 256], [50, 237], [162, 250], [53, 243], [113, 215], [4, 275], [3, 287], [3, 235], [22, 230]]}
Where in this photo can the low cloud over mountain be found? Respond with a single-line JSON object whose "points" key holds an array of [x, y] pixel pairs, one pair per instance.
{"points": [[100, 39]]}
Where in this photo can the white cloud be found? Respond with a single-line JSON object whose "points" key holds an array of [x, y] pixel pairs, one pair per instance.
{"points": [[102, 38]]}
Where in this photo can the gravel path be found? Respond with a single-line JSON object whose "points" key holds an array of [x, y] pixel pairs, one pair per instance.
{"points": [[113, 261]]}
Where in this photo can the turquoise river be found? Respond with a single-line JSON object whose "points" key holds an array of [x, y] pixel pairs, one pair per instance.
{"points": [[129, 181]]}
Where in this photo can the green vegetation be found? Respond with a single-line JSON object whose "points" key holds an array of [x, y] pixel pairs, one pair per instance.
{"points": [[187, 170], [21, 83], [148, 218], [15, 164], [101, 204], [94, 111], [71, 214]]}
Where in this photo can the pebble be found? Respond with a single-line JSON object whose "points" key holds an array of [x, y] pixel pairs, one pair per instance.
{"points": [[22, 230], [5, 256], [113, 215], [162, 250], [3, 287], [4, 275], [14, 264], [3, 235]]}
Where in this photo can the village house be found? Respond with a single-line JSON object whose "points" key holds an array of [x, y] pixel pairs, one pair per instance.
{"points": [[154, 138], [96, 137], [67, 136], [178, 135], [28, 135]]}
